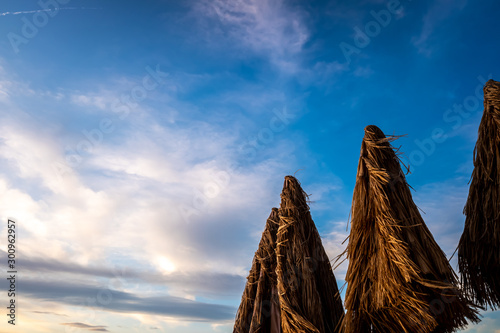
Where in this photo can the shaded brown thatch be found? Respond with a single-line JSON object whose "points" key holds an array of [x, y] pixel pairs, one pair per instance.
{"points": [[479, 247], [259, 309], [308, 292], [399, 280]]}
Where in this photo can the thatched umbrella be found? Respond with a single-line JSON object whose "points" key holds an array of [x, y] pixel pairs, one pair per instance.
{"points": [[308, 293], [399, 280], [259, 308], [479, 247]]}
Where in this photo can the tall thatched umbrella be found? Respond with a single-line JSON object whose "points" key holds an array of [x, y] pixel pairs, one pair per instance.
{"points": [[259, 308], [399, 280], [308, 293], [479, 247]]}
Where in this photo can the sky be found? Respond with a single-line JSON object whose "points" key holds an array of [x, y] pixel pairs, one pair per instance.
{"points": [[143, 144]]}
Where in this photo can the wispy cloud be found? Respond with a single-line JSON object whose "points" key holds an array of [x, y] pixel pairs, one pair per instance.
{"points": [[97, 206], [141, 184], [271, 28], [207, 284], [49, 313], [437, 13], [25, 12], [42, 10], [334, 247], [442, 205], [87, 327], [77, 294]]}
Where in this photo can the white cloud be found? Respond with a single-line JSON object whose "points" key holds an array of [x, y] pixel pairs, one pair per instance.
{"points": [[269, 27], [67, 210], [4, 88], [9, 87], [123, 200], [323, 73], [442, 205], [120, 206], [137, 201], [41, 10], [99, 102], [489, 323], [25, 12], [334, 246]]}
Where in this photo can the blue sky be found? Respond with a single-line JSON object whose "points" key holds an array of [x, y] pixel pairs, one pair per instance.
{"points": [[143, 145]]}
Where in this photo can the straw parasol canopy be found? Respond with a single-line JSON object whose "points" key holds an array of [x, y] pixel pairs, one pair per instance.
{"points": [[308, 293], [259, 309], [291, 287], [478, 250], [399, 279]]}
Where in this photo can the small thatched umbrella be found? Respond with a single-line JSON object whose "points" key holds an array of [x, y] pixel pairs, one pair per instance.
{"points": [[399, 280], [479, 247], [308, 293], [259, 309]]}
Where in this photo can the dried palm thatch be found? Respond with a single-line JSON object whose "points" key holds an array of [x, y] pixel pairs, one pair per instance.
{"points": [[259, 308], [308, 293], [399, 279], [478, 250]]}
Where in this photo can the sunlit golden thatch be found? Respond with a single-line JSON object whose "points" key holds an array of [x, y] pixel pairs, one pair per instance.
{"points": [[291, 287], [259, 309], [308, 293], [479, 247], [399, 279]]}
